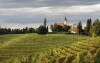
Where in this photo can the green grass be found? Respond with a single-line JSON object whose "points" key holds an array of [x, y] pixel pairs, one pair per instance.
{"points": [[16, 45]]}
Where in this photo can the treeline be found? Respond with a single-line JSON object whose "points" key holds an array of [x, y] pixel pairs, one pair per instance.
{"points": [[16, 31], [42, 29], [91, 29]]}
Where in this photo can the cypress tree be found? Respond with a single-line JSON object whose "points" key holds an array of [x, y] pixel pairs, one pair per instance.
{"points": [[88, 27], [45, 22], [79, 28]]}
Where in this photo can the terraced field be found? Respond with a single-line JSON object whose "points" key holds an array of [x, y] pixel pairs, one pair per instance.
{"points": [[85, 51], [51, 48], [22, 46]]}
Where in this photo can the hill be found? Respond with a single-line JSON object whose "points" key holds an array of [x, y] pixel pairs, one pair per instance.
{"points": [[50, 48]]}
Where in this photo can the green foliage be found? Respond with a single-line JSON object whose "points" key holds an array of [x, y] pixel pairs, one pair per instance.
{"points": [[90, 58], [42, 30], [88, 27], [66, 28], [97, 56], [31, 30], [16, 31], [56, 28], [45, 21], [79, 28], [96, 27]]}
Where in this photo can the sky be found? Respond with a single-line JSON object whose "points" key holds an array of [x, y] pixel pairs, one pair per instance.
{"points": [[31, 13]]}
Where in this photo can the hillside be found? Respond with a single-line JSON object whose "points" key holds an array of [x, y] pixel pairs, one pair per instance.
{"points": [[50, 48], [85, 51], [21, 44]]}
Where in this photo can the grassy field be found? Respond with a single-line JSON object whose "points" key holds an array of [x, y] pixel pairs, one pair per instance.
{"points": [[21, 44], [50, 48]]}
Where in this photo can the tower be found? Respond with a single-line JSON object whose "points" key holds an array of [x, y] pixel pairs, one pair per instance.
{"points": [[65, 21], [45, 21]]}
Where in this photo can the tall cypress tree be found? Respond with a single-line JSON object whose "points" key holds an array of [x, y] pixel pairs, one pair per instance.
{"points": [[45, 21], [88, 27], [79, 28]]}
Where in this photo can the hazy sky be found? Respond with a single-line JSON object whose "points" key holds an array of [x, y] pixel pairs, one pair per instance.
{"points": [[31, 13]]}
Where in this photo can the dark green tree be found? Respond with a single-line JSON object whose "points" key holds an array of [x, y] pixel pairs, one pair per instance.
{"points": [[31, 30], [54, 28], [47, 29], [79, 28], [96, 27], [42, 30], [45, 21], [66, 28], [88, 27]]}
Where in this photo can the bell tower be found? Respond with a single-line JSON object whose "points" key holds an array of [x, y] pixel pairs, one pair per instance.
{"points": [[65, 21]]}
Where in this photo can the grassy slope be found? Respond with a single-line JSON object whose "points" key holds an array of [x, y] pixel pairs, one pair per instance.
{"points": [[25, 44], [76, 52]]}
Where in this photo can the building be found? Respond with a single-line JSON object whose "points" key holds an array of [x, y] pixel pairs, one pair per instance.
{"points": [[62, 23], [74, 28]]}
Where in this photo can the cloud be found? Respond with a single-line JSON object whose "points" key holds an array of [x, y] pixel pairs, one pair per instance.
{"points": [[25, 12], [50, 10], [44, 3]]}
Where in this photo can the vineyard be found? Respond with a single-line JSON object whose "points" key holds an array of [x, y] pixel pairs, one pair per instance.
{"points": [[50, 48]]}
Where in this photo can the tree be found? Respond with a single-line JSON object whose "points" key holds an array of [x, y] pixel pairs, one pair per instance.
{"points": [[9, 31], [45, 22], [47, 29], [31, 30], [88, 27], [96, 27], [42, 30], [66, 28], [79, 28], [54, 28]]}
